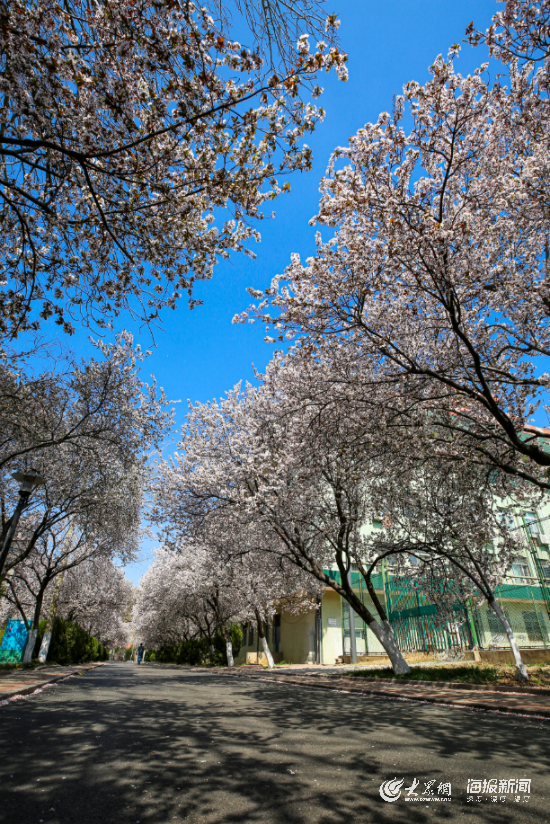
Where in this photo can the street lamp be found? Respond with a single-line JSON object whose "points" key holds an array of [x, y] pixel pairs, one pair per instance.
{"points": [[28, 481]]}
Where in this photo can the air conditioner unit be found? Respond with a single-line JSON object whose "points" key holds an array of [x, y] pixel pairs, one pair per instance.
{"points": [[544, 537]]}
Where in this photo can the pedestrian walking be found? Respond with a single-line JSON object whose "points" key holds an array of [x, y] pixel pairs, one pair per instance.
{"points": [[141, 650]]}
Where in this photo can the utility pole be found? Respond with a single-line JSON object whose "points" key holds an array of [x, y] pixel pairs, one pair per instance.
{"points": [[352, 638], [318, 633]]}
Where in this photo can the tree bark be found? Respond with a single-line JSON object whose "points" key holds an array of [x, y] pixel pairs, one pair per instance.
{"points": [[383, 630], [523, 675], [229, 650], [268, 655], [31, 641], [47, 637], [265, 645], [384, 633]]}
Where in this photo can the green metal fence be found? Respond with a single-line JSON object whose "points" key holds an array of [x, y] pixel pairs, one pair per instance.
{"points": [[525, 607], [418, 627]]}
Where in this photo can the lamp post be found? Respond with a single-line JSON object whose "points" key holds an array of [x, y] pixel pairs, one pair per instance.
{"points": [[28, 481], [352, 636]]}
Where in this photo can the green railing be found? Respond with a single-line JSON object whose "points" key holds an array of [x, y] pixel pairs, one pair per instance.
{"points": [[417, 626]]}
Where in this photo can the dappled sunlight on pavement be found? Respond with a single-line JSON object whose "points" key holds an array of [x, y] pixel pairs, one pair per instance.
{"points": [[151, 745]]}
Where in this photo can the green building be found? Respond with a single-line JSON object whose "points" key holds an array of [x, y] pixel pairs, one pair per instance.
{"points": [[324, 636]]}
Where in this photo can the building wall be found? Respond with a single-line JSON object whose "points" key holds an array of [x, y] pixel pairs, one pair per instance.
{"points": [[523, 615], [298, 633], [254, 647], [298, 637], [297, 644], [331, 622]]}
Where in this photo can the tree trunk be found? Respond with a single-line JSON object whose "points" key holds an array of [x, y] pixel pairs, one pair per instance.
{"points": [[265, 645], [31, 641], [45, 646], [268, 655], [229, 650], [47, 637], [383, 630], [385, 635], [523, 675]]}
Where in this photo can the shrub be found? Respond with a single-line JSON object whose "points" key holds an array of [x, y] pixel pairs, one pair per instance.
{"points": [[236, 635], [187, 652], [194, 652], [71, 644]]}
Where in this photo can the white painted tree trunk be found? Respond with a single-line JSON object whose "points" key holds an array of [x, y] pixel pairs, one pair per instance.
{"points": [[31, 641], [268, 655], [44, 647], [520, 666], [47, 637], [229, 650], [385, 635]]}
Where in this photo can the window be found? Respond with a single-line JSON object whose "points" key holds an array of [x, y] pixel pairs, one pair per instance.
{"points": [[545, 570], [251, 636], [521, 570], [532, 523], [244, 628], [506, 518], [532, 626]]}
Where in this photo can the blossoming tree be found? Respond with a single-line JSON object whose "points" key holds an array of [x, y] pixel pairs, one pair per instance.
{"points": [[138, 141], [438, 262], [300, 484], [88, 433]]}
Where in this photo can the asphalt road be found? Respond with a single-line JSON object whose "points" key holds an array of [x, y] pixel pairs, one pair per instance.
{"points": [[135, 744]]}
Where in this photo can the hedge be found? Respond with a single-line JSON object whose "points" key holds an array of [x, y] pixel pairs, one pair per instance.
{"points": [[195, 652], [70, 644]]}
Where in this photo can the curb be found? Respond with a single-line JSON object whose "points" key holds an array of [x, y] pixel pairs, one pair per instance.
{"points": [[457, 685], [357, 681], [431, 699], [441, 699], [37, 685], [343, 686]]}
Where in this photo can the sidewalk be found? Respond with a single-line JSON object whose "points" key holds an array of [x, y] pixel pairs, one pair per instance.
{"points": [[24, 682], [521, 701]]}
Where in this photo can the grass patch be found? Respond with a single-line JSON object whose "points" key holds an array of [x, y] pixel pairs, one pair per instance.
{"points": [[468, 674], [7, 667]]}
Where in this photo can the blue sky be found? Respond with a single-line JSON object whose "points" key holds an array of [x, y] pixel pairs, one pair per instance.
{"points": [[200, 354]]}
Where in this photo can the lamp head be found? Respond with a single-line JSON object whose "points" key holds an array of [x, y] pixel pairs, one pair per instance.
{"points": [[28, 480]]}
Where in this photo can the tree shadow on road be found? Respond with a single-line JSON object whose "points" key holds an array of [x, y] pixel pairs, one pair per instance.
{"points": [[156, 746]]}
